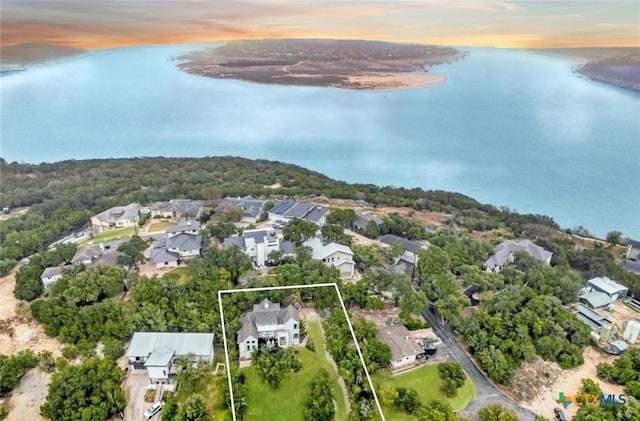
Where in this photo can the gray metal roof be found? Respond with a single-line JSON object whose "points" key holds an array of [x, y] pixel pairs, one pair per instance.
{"points": [[259, 236], [144, 343], [250, 206], [409, 245], [185, 208], [606, 285], [321, 251], [596, 299], [302, 210], [286, 247], [160, 357], [620, 345], [54, 271]]}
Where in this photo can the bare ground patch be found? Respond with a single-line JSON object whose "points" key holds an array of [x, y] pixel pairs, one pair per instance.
{"points": [[25, 401], [540, 398]]}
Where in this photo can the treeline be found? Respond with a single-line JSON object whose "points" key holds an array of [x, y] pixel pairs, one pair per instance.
{"points": [[62, 196]]}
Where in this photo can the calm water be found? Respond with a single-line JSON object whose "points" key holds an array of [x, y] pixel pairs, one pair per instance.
{"points": [[508, 127]]}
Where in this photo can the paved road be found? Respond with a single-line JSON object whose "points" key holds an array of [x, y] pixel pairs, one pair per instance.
{"points": [[486, 392]]}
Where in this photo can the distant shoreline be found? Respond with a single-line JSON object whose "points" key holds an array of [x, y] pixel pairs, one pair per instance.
{"points": [[342, 64]]}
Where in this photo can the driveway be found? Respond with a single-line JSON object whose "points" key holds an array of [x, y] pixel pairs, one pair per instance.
{"points": [[135, 386], [486, 392]]}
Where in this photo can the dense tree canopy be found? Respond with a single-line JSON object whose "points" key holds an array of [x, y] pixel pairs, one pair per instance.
{"points": [[319, 404], [88, 391], [13, 368]]}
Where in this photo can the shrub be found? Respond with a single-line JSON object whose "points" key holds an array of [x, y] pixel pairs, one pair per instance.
{"points": [[310, 345]]}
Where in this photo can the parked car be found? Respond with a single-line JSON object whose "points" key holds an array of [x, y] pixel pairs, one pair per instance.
{"points": [[559, 414], [153, 409]]}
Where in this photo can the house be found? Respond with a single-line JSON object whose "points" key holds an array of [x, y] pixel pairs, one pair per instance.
{"points": [[268, 325], [258, 244], [611, 288], [116, 217], [180, 242], [405, 351], [595, 299], [287, 210], [333, 254], [504, 254], [52, 274], [96, 255], [250, 206], [363, 218], [177, 209], [411, 248], [617, 347], [633, 250], [631, 266], [158, 351]]}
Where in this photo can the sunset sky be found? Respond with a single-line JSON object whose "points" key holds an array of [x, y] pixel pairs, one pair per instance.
{"points": [[530, 24]]}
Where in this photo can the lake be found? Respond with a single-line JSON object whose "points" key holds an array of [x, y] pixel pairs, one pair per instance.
{"points": [[508, 127]]}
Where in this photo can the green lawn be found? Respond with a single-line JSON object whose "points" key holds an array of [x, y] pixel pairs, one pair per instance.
{"points": [[160, 226], [210, 387], [179, 274], [426, 381], [110, 235], [287, 402]]}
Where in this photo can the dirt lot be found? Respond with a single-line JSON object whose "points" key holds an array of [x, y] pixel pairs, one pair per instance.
{"points": [[567, 381], [27, 334], [22, 334], [26, 399]]}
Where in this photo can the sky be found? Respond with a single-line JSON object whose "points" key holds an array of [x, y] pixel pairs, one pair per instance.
{"points": [[96, 24]]}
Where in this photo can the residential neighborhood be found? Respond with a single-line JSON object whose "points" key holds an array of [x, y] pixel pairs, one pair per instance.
{"points": [[364, 252]]}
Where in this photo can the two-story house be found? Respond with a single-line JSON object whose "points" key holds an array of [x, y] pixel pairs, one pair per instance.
{"points": [[333, 254], [259, 244], [180, 243], [268, 325]]}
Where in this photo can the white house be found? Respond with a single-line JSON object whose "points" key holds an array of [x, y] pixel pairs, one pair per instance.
{"points": [[611, 288], [411, 248], [180, 243], [504, 254], [333, 254], [116, 217], [287, 210], [52, 274], [258, 244], [405, 351], [158, 351], [268, 325], [96, 255]]}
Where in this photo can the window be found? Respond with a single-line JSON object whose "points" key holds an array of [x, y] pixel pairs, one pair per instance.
{"points": [[295, 325], [248, 347], [295, 336], [164, 372]]}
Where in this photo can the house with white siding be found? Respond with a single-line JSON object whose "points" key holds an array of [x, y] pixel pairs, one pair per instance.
{"points": [[268, 325]]}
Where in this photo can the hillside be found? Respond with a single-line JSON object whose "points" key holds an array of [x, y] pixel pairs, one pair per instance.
{"points": [[616, 66], [34, 53]]}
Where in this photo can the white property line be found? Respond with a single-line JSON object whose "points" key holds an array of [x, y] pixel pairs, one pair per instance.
{"points": [[346, 315]]}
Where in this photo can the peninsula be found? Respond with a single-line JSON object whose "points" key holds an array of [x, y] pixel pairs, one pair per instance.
{"points": [[347, 64], [617, 66]]}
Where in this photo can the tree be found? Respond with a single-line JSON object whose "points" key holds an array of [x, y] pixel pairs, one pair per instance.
{"points": [[319, 404], [436, 411], [371, 230], [614, 237], [222, 230], [272, 367], [335, 234], [496, 412], [193, 409], [132, 252], [341, 217], [13, 368], [453, 377], [88, 391], [407, 400], [299, 230]]}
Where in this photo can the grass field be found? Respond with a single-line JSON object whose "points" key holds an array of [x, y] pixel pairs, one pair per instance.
{"points": [[179, 274], [160, 226], [287, 402], [210, 387], [110, 235], [426, 381]]}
